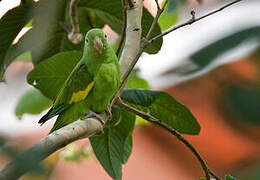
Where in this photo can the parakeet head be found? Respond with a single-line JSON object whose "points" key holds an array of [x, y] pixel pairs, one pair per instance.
{"points": [[96, 42]]}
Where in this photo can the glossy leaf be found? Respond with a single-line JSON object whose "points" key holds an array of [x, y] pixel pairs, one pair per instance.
{"points": [[127, 148], [10, 25], [164, 107], [32, 102], [49, 75], [169, 16], [111, 147]]}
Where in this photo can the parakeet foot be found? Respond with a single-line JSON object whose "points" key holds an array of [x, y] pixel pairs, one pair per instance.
{"points": [[95, 115], [108, 113]]}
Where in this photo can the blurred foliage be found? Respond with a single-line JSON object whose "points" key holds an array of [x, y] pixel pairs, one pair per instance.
{"points": [[169, 16], [32, 102], [44, 173], [135, 81], [8, 148], [244, 103], [227, 177], [72, 153], [251, 172], [26, 56], [207, 55]]}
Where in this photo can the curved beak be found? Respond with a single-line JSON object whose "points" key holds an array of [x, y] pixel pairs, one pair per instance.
{"points": [[98, 45]]}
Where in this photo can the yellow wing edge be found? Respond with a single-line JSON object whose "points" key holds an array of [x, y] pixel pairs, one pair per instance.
{"points": [[80, 95]]}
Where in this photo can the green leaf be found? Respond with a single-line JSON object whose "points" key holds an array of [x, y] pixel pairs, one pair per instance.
{"points": [[112, 148], [49, 29], [26, 56], [110, 11], [229, 177], [71, 153], [50, 75], [244, 103], [127, 148], [147, 20], [32, 102], [164, 107], [169, 16], [10, 25], [135, 81], [205, 56]]}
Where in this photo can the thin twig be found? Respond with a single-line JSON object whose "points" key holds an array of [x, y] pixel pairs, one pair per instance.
{"points": [[189, 22], [213, 175], [123, 33], [147, 42], [155, 20], [174, 132], [74, 36]]}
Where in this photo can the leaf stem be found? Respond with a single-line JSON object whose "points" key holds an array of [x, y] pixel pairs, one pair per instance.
{"points": [[155, 20], [174, 132]]}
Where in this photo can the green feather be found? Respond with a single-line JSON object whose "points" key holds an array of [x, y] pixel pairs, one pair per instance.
{"points": [[91, 84]]}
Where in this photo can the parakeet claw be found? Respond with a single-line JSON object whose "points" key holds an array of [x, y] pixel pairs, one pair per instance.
{"points": [[108, 112], [95, 115]]}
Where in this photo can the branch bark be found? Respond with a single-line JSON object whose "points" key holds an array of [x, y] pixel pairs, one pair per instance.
{"points": [[133, 34], [30, 159]]}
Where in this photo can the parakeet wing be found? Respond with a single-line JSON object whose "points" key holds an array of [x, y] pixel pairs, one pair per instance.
{"points": [[75, 89]]}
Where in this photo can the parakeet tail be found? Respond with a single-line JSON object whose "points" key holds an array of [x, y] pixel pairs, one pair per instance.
{"points": [[46, 117], [53, 112]]}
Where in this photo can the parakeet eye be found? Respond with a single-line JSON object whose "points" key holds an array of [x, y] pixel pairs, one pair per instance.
{"points": [[86, 40], [105, 36]]}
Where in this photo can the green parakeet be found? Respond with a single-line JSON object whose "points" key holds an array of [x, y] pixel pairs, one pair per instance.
{"points": [[91, 85]]}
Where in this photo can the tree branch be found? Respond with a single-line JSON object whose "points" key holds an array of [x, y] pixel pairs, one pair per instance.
{"points": [[74, 36], [189, 22], [30, 159], [174, 132], [132, 50], [133, 34], [123, 33], [155, 20]]}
